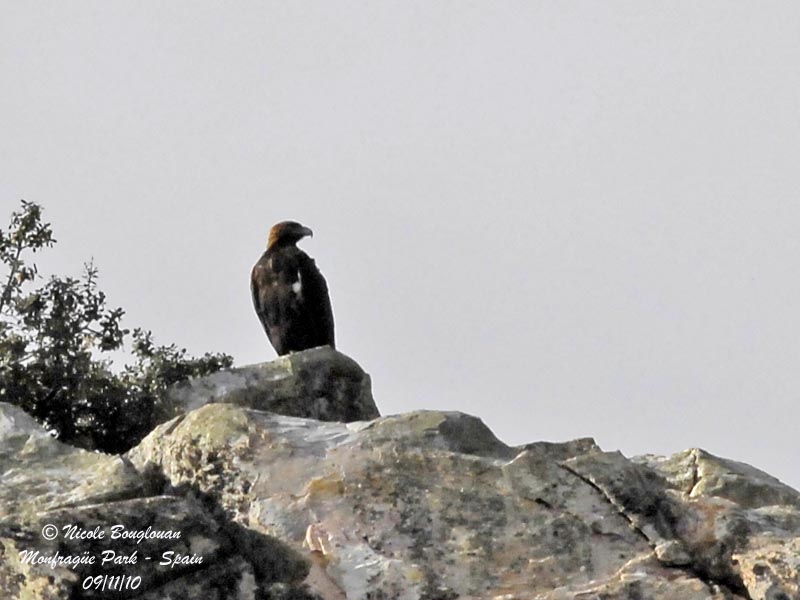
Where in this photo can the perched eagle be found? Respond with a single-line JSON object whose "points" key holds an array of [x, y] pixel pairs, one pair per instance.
{"points": [[290, 294]]}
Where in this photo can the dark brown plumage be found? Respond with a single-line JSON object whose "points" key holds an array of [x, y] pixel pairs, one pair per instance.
{"points": [[290, 294]]}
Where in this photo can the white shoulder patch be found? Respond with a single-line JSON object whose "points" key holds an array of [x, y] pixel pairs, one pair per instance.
{"points": [[297, 286]]}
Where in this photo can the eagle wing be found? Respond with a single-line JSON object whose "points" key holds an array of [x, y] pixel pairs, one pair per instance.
{"points": [[314, 289], [291, 299]]}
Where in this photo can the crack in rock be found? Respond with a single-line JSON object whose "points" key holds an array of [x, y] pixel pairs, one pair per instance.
{"points": [[620, 510], [658, 546], [695, 467]]}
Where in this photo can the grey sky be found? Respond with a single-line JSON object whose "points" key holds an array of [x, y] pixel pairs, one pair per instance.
{"points": [[568, 218]]}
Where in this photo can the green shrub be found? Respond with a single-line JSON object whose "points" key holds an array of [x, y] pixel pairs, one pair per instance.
{"points": [[55, 341]]}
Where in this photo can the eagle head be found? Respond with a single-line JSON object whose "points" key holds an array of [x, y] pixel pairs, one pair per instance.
{"points": [[287, 233]]}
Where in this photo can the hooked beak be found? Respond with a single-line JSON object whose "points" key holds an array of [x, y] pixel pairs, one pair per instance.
{"points": [[307, 232]]}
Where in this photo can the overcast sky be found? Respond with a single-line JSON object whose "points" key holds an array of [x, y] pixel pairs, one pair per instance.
{"points": [[568, 218]]}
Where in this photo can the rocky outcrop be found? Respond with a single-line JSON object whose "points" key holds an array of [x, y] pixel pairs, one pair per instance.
{"points": [[432, 505], [320, 384], [739, 524], [78, 524], [425, 505]]}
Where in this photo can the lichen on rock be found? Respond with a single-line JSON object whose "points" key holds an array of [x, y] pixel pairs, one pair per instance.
{"points": [[284, 477]]}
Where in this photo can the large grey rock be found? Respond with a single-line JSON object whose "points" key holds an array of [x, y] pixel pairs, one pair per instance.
{"points": [[59, 501], [45, 482], [696, 473], [320, 383], [739, 524], [420, 506], [431, 505], [40, 473]]}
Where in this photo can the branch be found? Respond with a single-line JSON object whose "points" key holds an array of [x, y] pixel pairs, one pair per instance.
{"points": [[14, 268]]}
